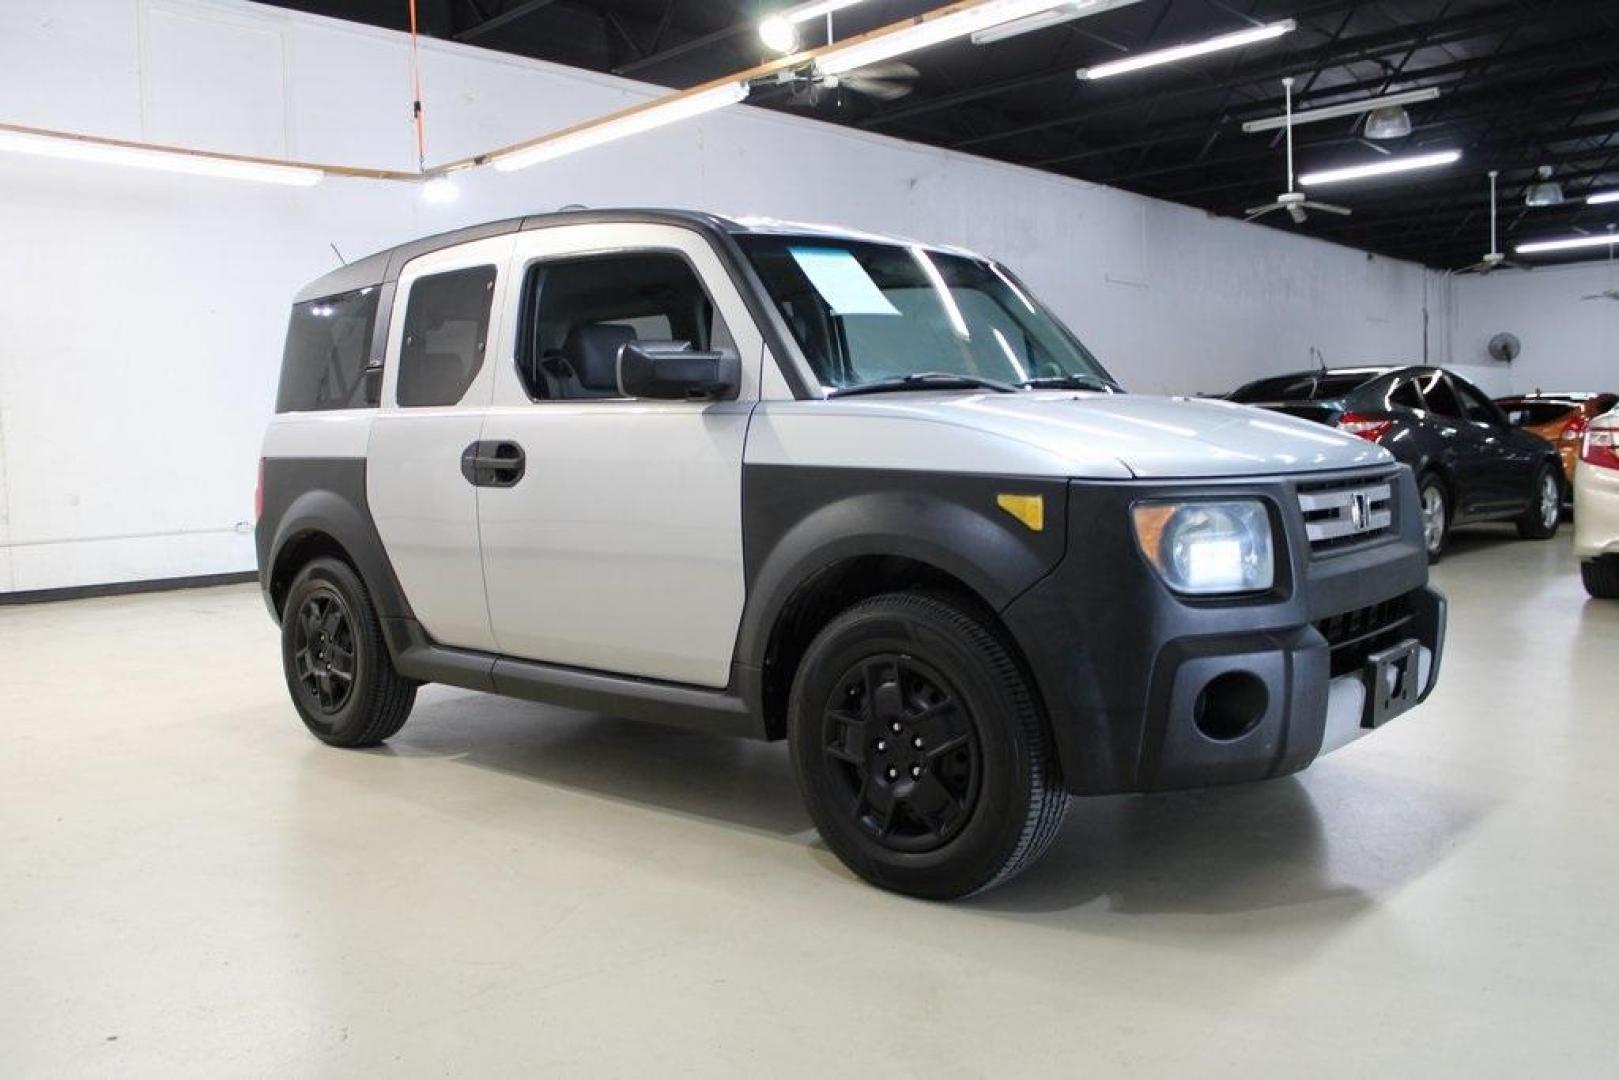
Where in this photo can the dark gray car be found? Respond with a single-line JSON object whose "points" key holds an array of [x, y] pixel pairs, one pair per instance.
{"points": [[1471, 463]]}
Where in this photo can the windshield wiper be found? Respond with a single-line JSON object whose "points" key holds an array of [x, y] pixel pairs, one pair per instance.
{"points": [[925, 380], [1069, 382]]}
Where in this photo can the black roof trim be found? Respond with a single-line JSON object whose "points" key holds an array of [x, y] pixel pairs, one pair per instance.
{"points": [[384, 266]]}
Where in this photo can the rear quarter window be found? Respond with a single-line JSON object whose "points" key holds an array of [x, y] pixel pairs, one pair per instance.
{"points": [[324, 364]]}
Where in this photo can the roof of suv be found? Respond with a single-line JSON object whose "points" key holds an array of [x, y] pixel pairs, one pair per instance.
{"points": [[384, 266]]}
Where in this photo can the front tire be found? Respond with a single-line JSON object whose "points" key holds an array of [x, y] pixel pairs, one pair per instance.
{"points": [[1434, 498], [1540, 521], [337, 667], [1601, 577], [920, 749]]}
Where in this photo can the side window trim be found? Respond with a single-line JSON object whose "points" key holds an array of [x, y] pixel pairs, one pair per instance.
{"points": [[532, 275]]}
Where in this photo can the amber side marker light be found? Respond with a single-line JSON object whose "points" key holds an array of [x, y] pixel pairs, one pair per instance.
{"points": [[1029, 509], [1151, 520]]}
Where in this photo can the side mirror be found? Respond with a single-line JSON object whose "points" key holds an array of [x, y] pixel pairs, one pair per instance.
{"points": [[673, 370]]}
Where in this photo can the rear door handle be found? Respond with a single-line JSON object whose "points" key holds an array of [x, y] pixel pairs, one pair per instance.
{"points": [[493, 463]]}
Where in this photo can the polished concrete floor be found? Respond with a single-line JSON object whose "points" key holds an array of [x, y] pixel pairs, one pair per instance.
{"points": [[190, 885]]}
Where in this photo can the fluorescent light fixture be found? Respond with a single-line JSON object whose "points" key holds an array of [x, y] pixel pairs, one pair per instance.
{"points": [[1176, 53], [1351, 108], [164, 160], [1603, 197], [1572, 243], [620, 125], [1063, 13], [925, 31], [1380, 168]]}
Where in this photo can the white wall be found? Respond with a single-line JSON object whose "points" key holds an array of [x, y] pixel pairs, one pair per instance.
{"points": [[141, 314], [1568, 343]]}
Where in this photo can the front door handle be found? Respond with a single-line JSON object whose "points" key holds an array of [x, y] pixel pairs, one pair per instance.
{"points": [[493, 463]]}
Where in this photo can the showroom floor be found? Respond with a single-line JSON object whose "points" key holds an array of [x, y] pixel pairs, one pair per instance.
{"points": [[189, 883]]}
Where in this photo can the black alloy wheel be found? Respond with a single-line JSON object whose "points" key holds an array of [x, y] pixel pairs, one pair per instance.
{"points": [[323, 650], [900, 740]]}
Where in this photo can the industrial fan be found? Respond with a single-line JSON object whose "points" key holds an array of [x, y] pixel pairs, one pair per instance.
{"points": [[887, 80], [1293, 201]]}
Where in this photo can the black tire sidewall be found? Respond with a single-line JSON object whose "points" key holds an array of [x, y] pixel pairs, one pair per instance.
{"points": [[346, 725], [1530, 525], [982, 848]]}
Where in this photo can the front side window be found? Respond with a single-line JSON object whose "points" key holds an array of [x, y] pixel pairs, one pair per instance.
{"points": [[864, 312], [1480, 409], [446, 335], [578, 313], [324, 364]]}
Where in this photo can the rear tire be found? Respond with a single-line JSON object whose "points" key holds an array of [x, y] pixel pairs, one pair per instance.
{"points": [[920, 750], [1434, 503], [337, 666], [1601, 577], [1545, 513]]}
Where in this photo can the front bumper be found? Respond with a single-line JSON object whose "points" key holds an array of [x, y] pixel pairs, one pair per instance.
{"points": [[1138, 681]]}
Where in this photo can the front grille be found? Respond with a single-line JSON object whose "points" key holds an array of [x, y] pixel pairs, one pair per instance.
{"points": [[1341, 514], [1355, 635]]}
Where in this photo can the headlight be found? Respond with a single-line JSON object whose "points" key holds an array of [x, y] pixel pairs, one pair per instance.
{"points": [[1207, 548]]}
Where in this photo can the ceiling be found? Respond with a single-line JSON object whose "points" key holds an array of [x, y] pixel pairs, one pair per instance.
{"points": [[1525, 83]]}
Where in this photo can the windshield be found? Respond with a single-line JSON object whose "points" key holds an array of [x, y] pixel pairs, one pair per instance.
{"points": [[1310, 387], [868, 312]]}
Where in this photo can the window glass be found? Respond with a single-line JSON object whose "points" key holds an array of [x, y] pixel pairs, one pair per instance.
{"points": [[1311, 387], [1522, 413], [1406, 396], [446, 335], [578, 314], [865, 311], [1480, 409], [328, 343], [1439, 396]]}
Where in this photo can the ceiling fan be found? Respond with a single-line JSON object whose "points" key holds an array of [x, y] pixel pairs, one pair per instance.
{"points": [[1612, 291], [886, 80], [1294, 202], [1493, 259]]}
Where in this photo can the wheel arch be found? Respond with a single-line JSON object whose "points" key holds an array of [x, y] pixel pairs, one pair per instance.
{"points": [[324, 522], [871, 543]]}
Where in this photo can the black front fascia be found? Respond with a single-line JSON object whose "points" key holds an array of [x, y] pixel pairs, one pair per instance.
{"points": [[1119, 657]]}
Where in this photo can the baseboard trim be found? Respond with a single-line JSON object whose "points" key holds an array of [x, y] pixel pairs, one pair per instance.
{"points": [[124, 588]]}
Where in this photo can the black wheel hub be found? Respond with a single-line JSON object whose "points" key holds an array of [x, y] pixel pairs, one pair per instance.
{"points": [[902, 745], [323, 650]]}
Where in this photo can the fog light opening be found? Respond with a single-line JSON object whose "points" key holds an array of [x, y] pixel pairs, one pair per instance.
{"points": [[1231, 705]]}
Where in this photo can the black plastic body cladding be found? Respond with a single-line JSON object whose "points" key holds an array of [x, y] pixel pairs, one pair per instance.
{"points": [[304, 497], [1119, 658]]}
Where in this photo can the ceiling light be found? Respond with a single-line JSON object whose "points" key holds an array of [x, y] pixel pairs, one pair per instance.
{"points": [[1066, 13], [1352, 108], [632, 121], [440, 190], [1380, 168], [779, 32], [111, 152], [1570, 244], [1547, 192], [1603, 197], [1177, 53], [928, 30], [1388, 122]]}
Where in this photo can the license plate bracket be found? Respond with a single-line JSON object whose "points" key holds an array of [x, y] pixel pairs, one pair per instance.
{"points": [[1393, 682]]}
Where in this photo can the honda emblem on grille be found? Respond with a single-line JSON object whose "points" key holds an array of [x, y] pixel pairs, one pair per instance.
{"points": [[1358, 510]]}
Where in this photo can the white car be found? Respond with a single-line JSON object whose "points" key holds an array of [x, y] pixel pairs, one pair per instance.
{"points": [[860, 493], [1596, 498]]}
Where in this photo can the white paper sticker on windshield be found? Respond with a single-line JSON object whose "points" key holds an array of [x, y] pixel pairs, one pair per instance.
{"points": [[842, 282]]}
